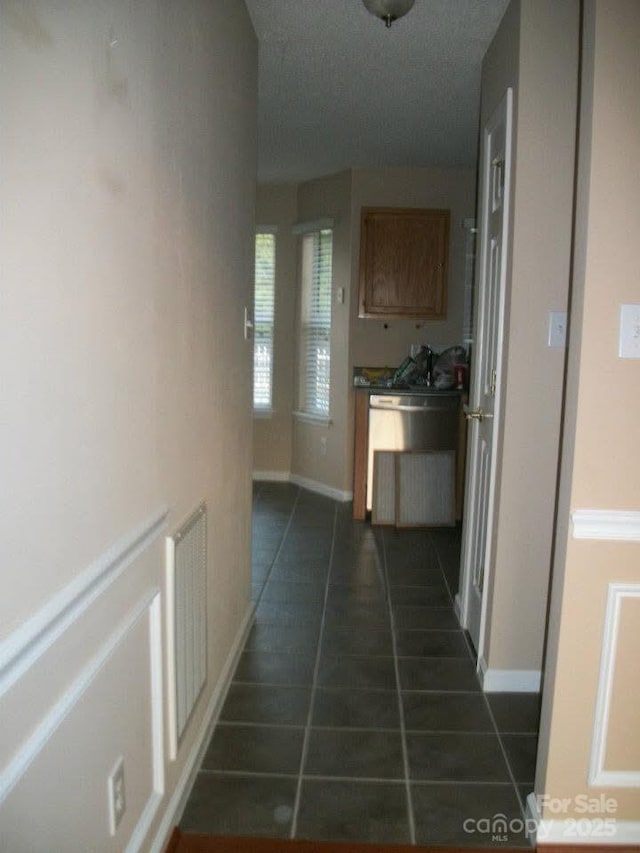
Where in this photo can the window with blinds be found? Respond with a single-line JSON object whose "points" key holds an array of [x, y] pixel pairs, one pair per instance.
{"points": [[315, 327], [263, 319]]}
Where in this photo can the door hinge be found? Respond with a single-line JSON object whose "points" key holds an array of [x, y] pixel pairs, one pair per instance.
{"points": [[492, 386]]}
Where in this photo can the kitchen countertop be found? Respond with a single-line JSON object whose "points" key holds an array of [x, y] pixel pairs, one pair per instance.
{"points": [[379, 380]]}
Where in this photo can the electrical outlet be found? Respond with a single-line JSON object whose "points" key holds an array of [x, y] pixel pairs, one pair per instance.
{"points": [[629, 344], [557, 329], [117, 796], [323, 446]]}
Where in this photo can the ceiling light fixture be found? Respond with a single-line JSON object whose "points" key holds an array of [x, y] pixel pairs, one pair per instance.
{"points": [[388, 10]]}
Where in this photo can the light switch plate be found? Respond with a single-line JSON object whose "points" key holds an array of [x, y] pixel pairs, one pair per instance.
{"points": [[557, 329], [629, 345]]}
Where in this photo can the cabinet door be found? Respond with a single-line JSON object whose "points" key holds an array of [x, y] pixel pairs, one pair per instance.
{"points": [[404, 257]]}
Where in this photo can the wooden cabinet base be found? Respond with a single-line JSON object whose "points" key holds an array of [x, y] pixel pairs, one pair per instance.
{"points": [[360, 448]]}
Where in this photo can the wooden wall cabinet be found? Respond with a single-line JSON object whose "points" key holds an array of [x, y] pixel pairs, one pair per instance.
{"points": [[404, 260]]}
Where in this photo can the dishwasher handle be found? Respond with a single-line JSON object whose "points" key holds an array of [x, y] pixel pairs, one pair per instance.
{"points": [[400, 407]]}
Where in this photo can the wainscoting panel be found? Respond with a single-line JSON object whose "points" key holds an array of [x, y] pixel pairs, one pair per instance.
{"points": [[112, 708], [617, 764], [22, 648], [82, 687]]}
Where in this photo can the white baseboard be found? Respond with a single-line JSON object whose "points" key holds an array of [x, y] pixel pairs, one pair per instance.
{"points": [[595, 832], [321, 488], [271, 476], [509, 680], [305, 482], [178, 801]]}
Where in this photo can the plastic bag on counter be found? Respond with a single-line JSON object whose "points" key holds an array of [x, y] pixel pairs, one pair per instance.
{"points": [[406, 372], [444, 375]]}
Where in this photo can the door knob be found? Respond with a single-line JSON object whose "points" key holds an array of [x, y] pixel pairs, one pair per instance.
{"points": [[478, 414]]}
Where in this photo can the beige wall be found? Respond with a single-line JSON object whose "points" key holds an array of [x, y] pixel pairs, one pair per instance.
{"points": [[535, 52], [600, 457], [452, 189], [277, 206], [354, 341], [311, 459], [127, 152]]}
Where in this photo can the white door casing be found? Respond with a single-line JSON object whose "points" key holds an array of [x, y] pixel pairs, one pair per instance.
{"points": [[485, 390]]}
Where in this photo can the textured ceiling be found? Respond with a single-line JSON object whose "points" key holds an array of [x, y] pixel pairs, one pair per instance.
{"points": [[339, 90]]}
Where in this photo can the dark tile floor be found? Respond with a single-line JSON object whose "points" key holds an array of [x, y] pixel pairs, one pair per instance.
{"points": [[355, 713]]}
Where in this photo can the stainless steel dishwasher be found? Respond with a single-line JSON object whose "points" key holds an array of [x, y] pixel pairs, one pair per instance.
{"points": [[410, 422]]}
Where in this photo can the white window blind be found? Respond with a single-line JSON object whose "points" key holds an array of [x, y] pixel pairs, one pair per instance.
{"points": [[263, 318], [315, 330]]}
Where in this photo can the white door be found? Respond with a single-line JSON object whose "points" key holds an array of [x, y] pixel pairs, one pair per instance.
{"points": [[484, 398]]}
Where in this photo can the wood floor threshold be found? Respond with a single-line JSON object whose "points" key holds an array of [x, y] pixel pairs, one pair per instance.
{"points": [[186, 842]]}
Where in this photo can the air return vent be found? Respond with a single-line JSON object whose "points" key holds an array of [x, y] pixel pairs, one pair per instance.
{"points": [[425, 489], [186, 579], [414, 489]]}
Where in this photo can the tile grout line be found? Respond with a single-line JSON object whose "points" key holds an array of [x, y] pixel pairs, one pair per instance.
{"points": [[299, 684], [255, 603], [504, 755], [316, 669], [465, 634], [252, 724], [470, 649], [442, 571], [403, 733], [297, 775], [473, 657], [373, 780], [277, 554]]}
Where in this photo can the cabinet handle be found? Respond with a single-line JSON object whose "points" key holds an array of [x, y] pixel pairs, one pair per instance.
{"points": [[391, 408]]}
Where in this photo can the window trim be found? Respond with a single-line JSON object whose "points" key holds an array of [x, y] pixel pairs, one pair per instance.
{"points": [[309, 418]]}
